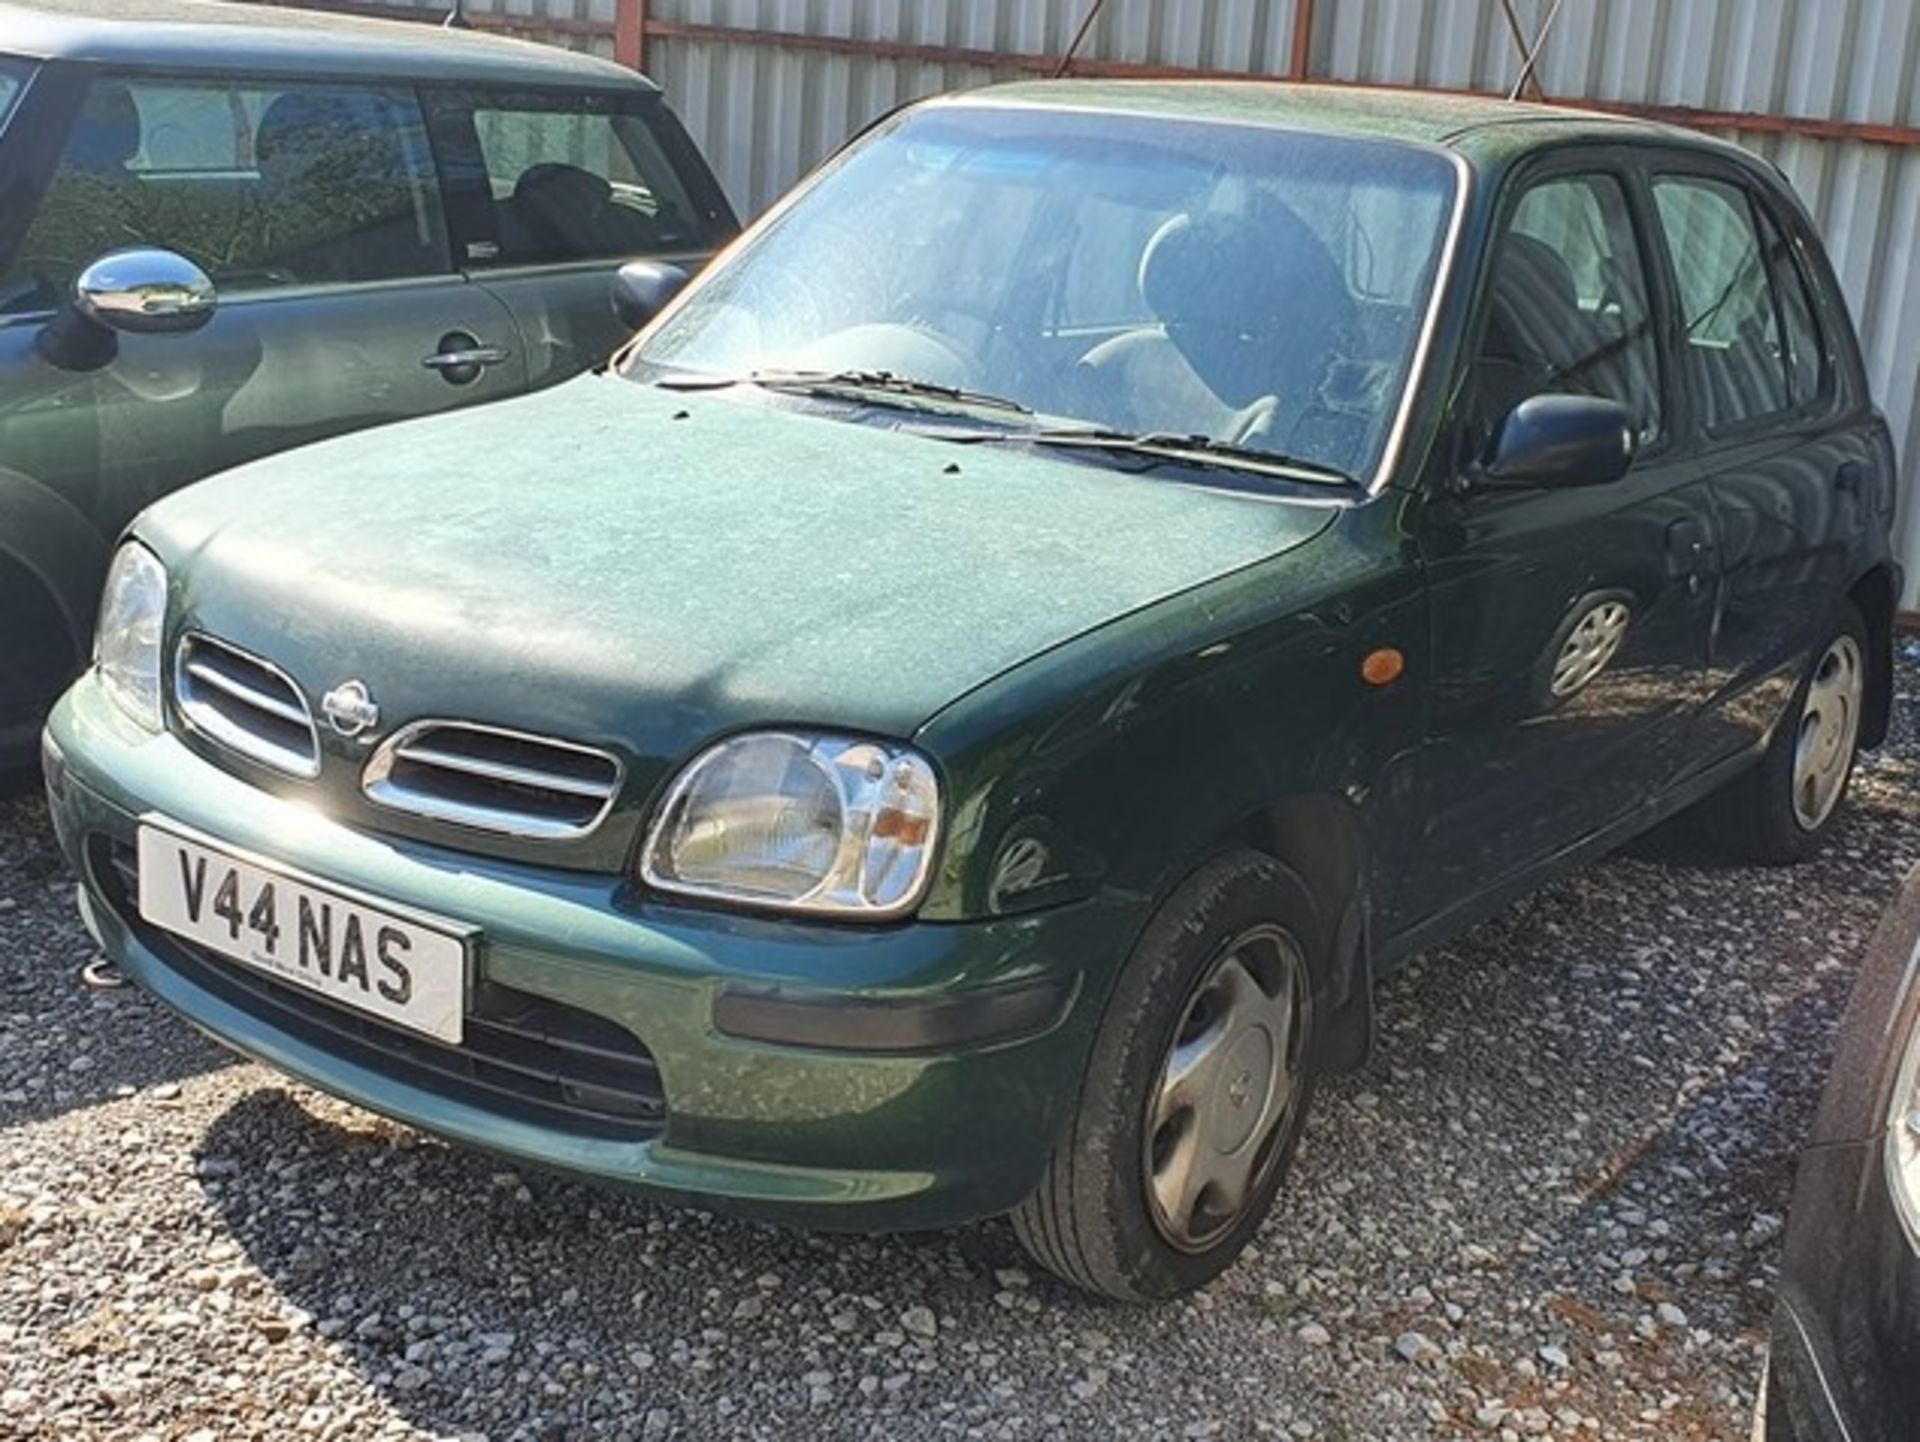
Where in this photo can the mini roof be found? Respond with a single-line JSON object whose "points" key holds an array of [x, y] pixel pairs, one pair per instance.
{"points": [[272, 39]]}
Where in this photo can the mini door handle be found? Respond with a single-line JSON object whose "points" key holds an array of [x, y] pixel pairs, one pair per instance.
{"points": [[453, 360]]}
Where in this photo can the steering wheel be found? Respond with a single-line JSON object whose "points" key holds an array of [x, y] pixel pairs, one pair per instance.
{"points": [[909, 350], [1257, 419]]}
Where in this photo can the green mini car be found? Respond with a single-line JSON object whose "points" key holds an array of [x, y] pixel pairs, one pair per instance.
{"points": [[956, 717], [228, 230]]}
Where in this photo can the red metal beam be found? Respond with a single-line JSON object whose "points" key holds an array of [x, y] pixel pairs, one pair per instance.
{"points": [[1300, 62], [869, 49], [1753, 122], [630, 33]]}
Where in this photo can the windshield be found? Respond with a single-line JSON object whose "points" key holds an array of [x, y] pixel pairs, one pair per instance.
{"points": [[1259, 287], [13, 79]]}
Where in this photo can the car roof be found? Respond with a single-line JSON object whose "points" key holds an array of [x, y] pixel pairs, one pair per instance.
{"points": [[269, 39], [1481, 128]]}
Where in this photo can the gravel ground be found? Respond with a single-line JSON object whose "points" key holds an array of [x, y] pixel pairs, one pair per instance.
{"points": [[1551, 1206]]}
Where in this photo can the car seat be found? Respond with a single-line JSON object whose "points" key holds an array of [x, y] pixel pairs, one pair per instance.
{"points": [[1251, 309]]}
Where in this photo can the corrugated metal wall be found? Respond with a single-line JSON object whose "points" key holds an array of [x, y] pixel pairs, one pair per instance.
{"points": [[766, 113]]}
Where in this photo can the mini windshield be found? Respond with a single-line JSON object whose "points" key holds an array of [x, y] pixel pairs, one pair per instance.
{"points": [[1260, 287]]}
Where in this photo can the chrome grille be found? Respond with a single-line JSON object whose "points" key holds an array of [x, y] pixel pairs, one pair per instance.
{"points": [[494, 779], [245, 704]]}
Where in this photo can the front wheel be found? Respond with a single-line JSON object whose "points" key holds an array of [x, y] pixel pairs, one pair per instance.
{"points": [[1781, 810], [1196, 1092]]}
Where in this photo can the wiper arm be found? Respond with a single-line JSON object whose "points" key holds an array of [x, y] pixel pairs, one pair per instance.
{"points": [[884, 382], [1197, 450]]}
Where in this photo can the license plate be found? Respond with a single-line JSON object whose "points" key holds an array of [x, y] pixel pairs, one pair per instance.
{"points": [[399, 968]]}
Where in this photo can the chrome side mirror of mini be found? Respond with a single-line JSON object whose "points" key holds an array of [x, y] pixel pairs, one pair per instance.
{"points": [[143, 291]]}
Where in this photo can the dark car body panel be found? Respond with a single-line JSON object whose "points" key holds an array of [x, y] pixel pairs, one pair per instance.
{"points": [[1845, 1363]]}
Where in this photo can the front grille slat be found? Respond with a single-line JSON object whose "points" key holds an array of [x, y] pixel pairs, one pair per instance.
{"points": [[503, 772], [492, 779], [524, 1056], [239, 690], [245, 704]]}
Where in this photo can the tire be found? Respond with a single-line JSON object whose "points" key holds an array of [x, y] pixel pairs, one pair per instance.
{"points": [[36, 661], [1225, 970], [1781, 810]]}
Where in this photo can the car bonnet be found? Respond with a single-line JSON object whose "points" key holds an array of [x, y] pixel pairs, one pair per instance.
{"points": [[616, 565]]}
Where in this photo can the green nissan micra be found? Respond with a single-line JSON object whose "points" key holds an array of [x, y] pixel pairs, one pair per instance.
{"points": [[955, 717]]}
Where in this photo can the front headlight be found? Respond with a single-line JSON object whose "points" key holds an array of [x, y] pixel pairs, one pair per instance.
{"points": [[126, 644], [804, 822]]}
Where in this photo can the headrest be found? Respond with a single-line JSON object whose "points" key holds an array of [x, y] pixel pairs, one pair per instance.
{"points": [[107, 134], [1233, 289], [304, 124], [563, 192], [1535, 303], [1532, 272]]}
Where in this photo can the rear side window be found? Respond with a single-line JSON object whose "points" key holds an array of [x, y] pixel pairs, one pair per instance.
{"points": [[1730, 312], [262, 186], [579, 176], [1808, 370]]}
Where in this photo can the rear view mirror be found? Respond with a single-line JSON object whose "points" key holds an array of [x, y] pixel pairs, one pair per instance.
{"points": [[143, 291], [642, 289], [1562, 440]]}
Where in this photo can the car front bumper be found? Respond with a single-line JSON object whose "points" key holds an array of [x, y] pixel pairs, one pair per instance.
{"points": [[861, 1078]]}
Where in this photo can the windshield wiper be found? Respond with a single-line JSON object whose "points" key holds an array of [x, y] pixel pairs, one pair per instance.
{"points": [[883, 382], [1170, 446]]}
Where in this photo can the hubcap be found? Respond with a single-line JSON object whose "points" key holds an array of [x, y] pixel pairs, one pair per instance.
{"points": [[1829, 725], [1591, 646], [1227, 1088]]}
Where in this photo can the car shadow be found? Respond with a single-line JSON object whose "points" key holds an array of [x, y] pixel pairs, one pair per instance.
{"points": [[498, 1279], [66, 1045], [18, 782]]}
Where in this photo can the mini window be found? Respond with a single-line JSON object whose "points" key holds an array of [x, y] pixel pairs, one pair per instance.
{"points": [[262, 186]]}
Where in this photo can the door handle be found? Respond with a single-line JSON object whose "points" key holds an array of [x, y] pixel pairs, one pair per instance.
{"points": [[462, 357], [1689, 553], [471, 358]]}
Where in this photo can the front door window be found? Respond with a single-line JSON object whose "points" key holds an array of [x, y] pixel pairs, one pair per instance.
{"points": [[1570, 310], [262, 186]]}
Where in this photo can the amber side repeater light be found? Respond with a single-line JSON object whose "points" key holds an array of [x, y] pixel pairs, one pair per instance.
{"points": [[1382, 667]]}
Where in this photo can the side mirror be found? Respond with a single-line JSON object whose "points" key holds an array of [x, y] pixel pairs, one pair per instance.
{"points": [[145, 292], [642, 288], [1561, 440], [134, 292]]}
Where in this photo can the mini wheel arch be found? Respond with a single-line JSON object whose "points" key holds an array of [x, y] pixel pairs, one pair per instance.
{"points": [[48, 538]]}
